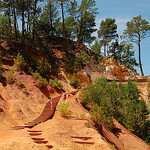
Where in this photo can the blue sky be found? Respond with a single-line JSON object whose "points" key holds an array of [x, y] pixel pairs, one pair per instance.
{"points": [[123, 11]]}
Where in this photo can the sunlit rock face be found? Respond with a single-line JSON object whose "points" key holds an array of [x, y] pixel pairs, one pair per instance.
{"points": [[112, 70]]}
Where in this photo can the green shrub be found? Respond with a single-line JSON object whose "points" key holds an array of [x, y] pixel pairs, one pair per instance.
{"points": [[20, 62], [63, 108], [42, 82], [119, 101], [20, 84], [10, 78], [43, 67], [55, 83], [84, 57], [26, 91], [88, 125], [101, 113], [72, 63], [75, 82], [82, 116], [36, 75]]}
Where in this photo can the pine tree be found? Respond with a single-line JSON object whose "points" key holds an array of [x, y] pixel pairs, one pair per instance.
{"points": [[62, 5], [86, 23], [137, 30], [72, 20], [123, 53], [49, 17], [107, 31]]}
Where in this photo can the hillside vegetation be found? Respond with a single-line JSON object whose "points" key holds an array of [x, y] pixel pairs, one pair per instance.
{"points": [[119, 101]]}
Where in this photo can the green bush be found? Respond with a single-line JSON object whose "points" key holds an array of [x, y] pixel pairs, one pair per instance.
{"points": [[36, 75], [63, 108], [26, 91], [43, 67], [20, 84], [10, 78], [20, 62], [119, 101], [75, 82], [99, 114], [84, 57], [55, 83], [88, 125], [42, 82], [72, 63]]}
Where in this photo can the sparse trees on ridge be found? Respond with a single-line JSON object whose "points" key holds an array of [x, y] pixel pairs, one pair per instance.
{"points": [[107, 31], [137, 30]]}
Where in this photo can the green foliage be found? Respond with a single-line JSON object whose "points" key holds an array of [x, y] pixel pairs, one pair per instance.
{"points": [[5, 27], [36, 75], [10, 78], [20, 62], [107, 31], [42, 81], [137, 30], [64, 109], [26, 91], [49, 18], [72, 63], [75, 82], [20, 84], [43, 67], [120, 101], [88, 125], [96, 48], [82, 116], [86, 21], [55, 83], [123, 53], [101, 113], [84, 57]]}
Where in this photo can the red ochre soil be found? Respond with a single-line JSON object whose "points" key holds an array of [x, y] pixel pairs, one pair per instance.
{"points": [[18, 107]]}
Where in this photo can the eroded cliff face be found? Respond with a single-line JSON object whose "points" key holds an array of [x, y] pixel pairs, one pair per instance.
{"points": [[112, 70]]}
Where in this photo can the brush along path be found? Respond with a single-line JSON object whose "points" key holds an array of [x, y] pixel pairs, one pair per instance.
{"points": [[58, 131]]}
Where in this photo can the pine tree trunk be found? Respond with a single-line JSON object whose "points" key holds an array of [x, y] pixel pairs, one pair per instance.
{"points": [[15, 20], [10, 30], [140, 64], [51, 21], [28, 22], [105, 49], [34, 20], [23, 21], [62, 8], [80, 31]]}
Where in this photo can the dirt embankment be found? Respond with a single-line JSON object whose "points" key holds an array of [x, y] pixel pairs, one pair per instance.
{"points": [[58, 131]]}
